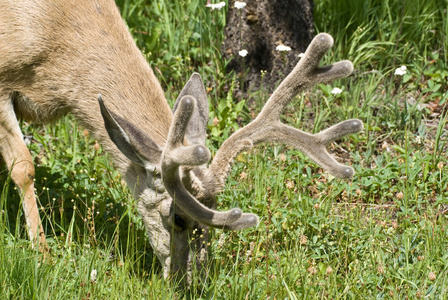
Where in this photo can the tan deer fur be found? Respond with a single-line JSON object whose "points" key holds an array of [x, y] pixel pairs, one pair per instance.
{"points": [[57, 56]]}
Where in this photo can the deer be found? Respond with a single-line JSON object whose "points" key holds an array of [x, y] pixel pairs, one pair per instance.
{"points": [[77, 57]]}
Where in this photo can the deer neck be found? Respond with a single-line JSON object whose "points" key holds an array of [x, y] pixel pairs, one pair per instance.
{"points": [[75, 57]]}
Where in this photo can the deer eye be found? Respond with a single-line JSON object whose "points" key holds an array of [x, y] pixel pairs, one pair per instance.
{"points": [[179, 222]]}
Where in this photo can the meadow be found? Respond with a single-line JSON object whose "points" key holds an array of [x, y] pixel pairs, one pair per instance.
{"points": [[381, 235]]}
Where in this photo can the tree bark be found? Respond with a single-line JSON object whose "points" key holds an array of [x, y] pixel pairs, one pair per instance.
{"points": [[259, 28]]}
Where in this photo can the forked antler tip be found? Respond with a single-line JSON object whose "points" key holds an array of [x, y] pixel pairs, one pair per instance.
{"points": [[332, 134]]}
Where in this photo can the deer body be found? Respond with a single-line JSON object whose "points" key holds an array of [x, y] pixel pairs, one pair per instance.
{"points": [[56, 56]]}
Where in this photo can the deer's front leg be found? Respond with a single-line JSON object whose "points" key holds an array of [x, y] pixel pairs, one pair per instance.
{"points": [[19, 162]]}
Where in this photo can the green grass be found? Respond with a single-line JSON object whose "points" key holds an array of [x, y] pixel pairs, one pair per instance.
{"points": [[380, 235]]}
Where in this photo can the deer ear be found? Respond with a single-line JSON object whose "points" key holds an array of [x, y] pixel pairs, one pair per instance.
{"points": [[197, 127], [131, 141]]}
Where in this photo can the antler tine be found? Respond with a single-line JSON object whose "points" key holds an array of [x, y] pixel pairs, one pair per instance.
{"points": [[174, 155], [313, 145], [246, 221], [268, 127], [305, 74]]}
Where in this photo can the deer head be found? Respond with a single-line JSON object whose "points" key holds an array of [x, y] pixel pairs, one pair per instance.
{"points": [[181, 205]]}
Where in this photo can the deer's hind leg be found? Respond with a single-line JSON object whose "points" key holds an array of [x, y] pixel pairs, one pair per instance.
{"points": [[20, 164]]}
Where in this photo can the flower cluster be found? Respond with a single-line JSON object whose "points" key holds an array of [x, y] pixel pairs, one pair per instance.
{"points": [[243, 52], [240, 5], [400, 71], [282, 47], [336, 91], [217, 6], [93, 276]]}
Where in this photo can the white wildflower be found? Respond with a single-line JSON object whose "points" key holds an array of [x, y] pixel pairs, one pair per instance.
{"points": [[301, 55], [400, 71], [93, 276], [243, 52], [240, 5], [221, 241], [282, 47], [336, 91], [202, 255], [290, 184], [217, 6]]}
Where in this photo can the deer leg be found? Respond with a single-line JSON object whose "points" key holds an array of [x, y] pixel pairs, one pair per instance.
{"points": [[20, 164]]}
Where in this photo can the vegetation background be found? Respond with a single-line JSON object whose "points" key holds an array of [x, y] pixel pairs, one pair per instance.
{"points": [[382, 234]]}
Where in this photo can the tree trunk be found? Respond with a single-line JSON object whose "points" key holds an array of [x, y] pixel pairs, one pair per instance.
{"points": [[260, 27]]}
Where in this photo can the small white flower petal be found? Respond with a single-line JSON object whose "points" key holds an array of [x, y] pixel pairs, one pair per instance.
{"points": [[336, 91], [301, 55], [217, 6], [240, 5], [243, 52], [283, 48]]}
